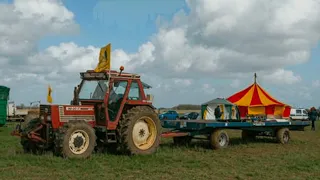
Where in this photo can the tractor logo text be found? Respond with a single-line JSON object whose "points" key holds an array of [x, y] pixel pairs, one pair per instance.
{"points": [[79, 109]]}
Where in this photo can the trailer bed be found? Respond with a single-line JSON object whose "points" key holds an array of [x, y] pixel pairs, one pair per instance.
{"points": [[183, 131], [201, 124]]}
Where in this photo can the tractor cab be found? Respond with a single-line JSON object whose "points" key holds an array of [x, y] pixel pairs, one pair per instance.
{"points": [[110, 93]]}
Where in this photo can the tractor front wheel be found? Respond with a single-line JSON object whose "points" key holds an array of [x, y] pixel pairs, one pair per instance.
{"points": [[30, 122], [139, 131], [78, 140]]}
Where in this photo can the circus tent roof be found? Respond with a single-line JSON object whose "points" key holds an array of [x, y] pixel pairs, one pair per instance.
{"points": [[254, 95]]}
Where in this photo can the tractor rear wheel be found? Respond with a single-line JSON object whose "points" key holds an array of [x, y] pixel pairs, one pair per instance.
{"points": [[75, 140], [139, 131]]}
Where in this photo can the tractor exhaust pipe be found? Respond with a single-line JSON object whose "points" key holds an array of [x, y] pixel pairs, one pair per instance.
{"points": [[121, 69]]}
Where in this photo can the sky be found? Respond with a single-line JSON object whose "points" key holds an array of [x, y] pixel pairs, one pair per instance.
{"points": [[189, 51]]}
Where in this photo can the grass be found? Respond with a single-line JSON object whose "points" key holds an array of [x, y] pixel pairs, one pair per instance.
{"points": [[262, 159]]}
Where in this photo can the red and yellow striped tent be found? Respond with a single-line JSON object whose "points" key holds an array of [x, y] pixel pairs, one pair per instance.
{"points": [[254, 100]]}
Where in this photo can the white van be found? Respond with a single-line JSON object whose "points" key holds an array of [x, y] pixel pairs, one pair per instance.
{"points": [[298, 114]]}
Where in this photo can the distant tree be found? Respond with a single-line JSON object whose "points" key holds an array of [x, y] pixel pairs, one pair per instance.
{"points": [[187, 107]]}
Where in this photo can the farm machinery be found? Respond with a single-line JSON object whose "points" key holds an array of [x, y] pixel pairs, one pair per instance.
{"points": [[109, 109]]}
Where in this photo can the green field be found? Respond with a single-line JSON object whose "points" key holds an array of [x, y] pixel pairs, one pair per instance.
{"points": [[262, 159]]}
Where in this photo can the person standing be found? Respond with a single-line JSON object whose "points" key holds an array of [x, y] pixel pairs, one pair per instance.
{"points": [[313, 118], [217, 112]]}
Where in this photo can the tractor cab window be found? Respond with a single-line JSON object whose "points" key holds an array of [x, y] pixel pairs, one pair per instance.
{"points": [[134, 93], [93, 89], [115, 98], [117, 91]]}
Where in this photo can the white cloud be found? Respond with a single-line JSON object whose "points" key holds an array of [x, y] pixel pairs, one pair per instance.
{"points": [[316, 83], [43, 10], [25, 23], [217, 39], [281, 76], [22, 25]]}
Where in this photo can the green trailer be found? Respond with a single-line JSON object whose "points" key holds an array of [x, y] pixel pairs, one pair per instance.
{"points": [[4, 96]]}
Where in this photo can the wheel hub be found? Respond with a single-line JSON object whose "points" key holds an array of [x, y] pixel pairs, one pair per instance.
{"points": [[78, 142], [286, 137], [222, 140], [144, 133], [141, 132]]}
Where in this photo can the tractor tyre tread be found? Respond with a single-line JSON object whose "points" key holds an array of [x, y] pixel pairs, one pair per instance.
{"points": [[124, 130], [31, 117], [61, 147]]}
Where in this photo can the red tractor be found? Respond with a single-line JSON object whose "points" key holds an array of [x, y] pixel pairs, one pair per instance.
{"points": [[109, 108]]}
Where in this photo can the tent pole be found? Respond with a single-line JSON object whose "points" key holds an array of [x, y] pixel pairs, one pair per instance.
{"points": [[255, 78]]}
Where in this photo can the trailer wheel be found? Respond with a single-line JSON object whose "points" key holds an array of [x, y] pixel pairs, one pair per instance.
{"points": [[185, 140], [248, 135], [219, 139], [139, 131], [75, 140], [283, 135]]}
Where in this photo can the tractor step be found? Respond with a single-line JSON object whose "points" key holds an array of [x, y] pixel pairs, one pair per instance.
{"points": [[111, 137]]}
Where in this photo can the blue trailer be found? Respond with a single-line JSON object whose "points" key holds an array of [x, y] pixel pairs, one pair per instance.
{"points": [[183, 131]]}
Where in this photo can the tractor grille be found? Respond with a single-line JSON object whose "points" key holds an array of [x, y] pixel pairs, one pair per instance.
{"points": [[67, 118], [43, 109]]}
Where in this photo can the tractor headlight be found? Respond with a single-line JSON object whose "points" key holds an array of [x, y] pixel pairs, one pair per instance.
{"points": [[48, 118]]}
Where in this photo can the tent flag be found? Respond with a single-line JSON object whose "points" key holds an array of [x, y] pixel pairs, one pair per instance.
{"points": [[49, 98], [254, 100], [104, 59]]}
